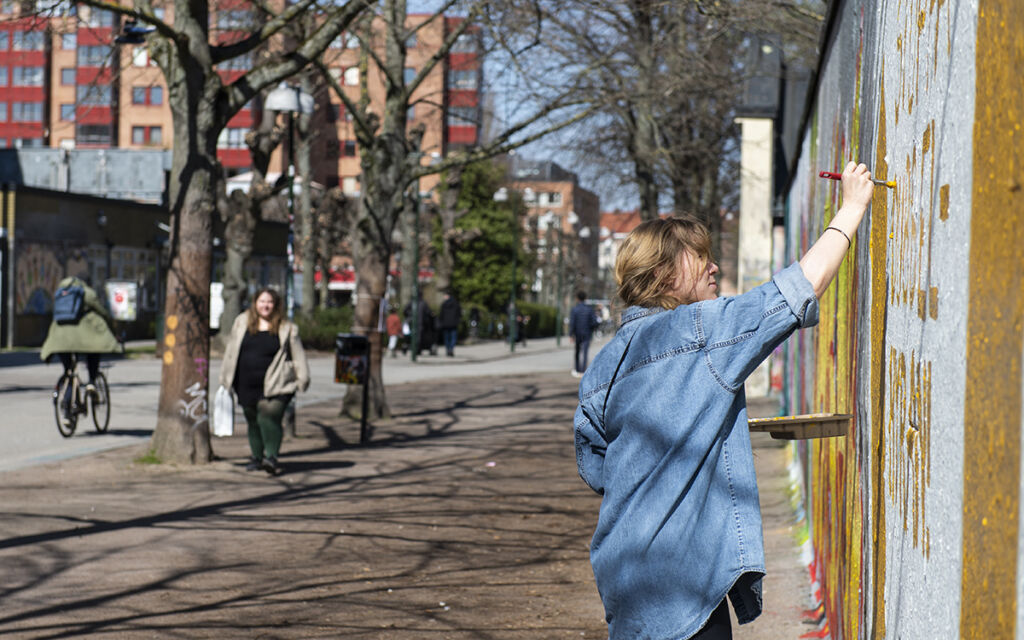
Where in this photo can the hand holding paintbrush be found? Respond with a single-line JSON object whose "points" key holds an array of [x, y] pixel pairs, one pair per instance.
{"points": [[838, 176]]}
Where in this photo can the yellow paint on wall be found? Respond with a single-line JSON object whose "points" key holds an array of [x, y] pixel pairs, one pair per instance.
{"points": [[172, 322], [168, 357], [995, 331], [169, 340], [877, 251]]}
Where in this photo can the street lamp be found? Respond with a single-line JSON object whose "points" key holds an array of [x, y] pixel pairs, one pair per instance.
{"points": [[414, 333], [501, 195], [290, 100]]}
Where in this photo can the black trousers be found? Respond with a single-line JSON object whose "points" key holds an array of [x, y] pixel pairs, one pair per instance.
{"points": [[92, 363], [718, 626]]}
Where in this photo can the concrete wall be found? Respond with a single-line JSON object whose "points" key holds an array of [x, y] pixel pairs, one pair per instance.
{"points": [[914, 516]]}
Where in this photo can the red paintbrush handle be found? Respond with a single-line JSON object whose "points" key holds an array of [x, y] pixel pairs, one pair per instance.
{"points": [[830, 175]]}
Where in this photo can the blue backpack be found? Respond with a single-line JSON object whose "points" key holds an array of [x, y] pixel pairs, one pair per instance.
{"points": [[68, 304]]}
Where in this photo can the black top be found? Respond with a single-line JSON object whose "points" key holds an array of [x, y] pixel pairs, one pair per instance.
{"points": [[254, 358]]}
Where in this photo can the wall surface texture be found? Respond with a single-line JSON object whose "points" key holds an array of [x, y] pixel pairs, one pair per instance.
{"points": [[914, 516]]}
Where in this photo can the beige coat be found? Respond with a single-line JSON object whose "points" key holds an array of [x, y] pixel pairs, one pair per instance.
{"points": [[284, 375]]}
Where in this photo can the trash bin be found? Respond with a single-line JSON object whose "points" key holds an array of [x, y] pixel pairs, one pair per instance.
{"points": [[351, 359]]}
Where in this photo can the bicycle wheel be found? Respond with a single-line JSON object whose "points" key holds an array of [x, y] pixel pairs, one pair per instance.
{"points": [[63, 401], [99, 404]]}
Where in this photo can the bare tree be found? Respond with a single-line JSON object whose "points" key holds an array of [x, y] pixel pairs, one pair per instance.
{"points": [[201, 104], [391, 152]]}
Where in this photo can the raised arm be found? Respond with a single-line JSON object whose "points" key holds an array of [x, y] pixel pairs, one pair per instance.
{"points": [[821, 262]]}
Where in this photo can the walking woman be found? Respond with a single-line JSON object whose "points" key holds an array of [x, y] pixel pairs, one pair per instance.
{"points": [[661, 427], [265, 364]]}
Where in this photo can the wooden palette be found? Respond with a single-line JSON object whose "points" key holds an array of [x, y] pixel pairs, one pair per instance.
{"points": [[803, 427]]}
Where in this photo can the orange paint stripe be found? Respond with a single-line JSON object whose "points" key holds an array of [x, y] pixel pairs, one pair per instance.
{"points": [[995, 331]]}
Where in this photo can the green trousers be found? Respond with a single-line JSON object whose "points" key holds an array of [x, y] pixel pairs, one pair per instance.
{"points": [[265, 431]]}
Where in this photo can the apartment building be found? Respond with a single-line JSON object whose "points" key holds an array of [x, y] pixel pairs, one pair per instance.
{"points": [[563, 220], [65, 82]]}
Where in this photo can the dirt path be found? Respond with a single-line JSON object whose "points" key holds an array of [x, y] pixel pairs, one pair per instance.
{"points": [[464, 519]]}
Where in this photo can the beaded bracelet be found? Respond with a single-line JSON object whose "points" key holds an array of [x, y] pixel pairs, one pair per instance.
{"points": [[842, 232]]}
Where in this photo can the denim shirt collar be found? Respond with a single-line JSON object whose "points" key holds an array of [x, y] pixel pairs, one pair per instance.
{"points": [[636, 312]]}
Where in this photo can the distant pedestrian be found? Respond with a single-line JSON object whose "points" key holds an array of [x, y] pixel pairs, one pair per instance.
{"points": [[448, 319], [393, 325], [582, 322], [265, 364]]}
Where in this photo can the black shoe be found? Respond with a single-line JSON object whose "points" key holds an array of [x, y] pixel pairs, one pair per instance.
{"points": [[255, 464], [270, 466]]}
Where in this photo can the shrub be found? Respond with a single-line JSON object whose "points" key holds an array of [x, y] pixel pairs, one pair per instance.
{"points": [[543, 319], [319, 330]]}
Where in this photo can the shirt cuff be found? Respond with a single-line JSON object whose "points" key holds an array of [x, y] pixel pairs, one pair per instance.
{"points": [[799, 294]]}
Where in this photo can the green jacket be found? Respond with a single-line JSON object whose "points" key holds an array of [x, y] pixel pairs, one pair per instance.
{"points": [[91, 334]]}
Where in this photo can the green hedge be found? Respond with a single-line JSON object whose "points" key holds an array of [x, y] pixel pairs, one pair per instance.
{"points": [[543, 319], [319, 330]]}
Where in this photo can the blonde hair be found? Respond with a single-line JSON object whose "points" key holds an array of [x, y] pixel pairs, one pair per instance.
{"points": [[648, 260], [275, 316]]}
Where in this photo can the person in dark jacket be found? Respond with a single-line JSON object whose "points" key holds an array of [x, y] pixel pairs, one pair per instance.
{"points": [[426, 327], [582, 322], [451, 314]]}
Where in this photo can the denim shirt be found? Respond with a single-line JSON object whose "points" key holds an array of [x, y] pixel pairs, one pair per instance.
{"points": [[661, 432]]}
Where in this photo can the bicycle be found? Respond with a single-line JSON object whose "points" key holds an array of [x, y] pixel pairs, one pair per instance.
{"points": [[69, 403]]}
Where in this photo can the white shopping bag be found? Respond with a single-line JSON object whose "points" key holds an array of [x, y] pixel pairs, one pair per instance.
{"points": [[223, 413]]}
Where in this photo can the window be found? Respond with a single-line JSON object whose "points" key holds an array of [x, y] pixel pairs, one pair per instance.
{"points": [[238, 63], [235, 20], [158, 13], [147, 135], [68, 76], [28, 40], [28, 143], [555, 198], [232, 138], [412, 40], [4, 40], [92, 134], [100, 18], [409, 75], [93, 95], [26, 111], [466, 43], [92, 55], [352, 76], [156, 95], [333, 112], [348, 148], [69, 41], [462, 78], [139, 95], [7, 7], [3, 112], [27, 77], [462, 116], [67, 112], [3, 76], [350, 185], [410, 113]]}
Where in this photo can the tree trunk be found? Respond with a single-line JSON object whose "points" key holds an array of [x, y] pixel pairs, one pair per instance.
{"points": [[182, 433], [371, 265], [307, 240]]}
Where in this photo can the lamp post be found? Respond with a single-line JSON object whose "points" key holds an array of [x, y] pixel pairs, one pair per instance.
{"points": [[290, 100], [501, 195], [414, 334]]}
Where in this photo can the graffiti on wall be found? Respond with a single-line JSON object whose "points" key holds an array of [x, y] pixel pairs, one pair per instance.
{"points": [[38, 268]]}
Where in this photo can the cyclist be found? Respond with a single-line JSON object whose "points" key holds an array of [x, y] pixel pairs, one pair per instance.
{"points": [[91, 334]]}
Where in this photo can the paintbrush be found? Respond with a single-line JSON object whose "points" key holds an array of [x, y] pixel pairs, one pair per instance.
{"points": [[838, 176]]}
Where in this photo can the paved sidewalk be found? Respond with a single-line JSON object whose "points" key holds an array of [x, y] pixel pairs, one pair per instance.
{"points": [[464, 518]]}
